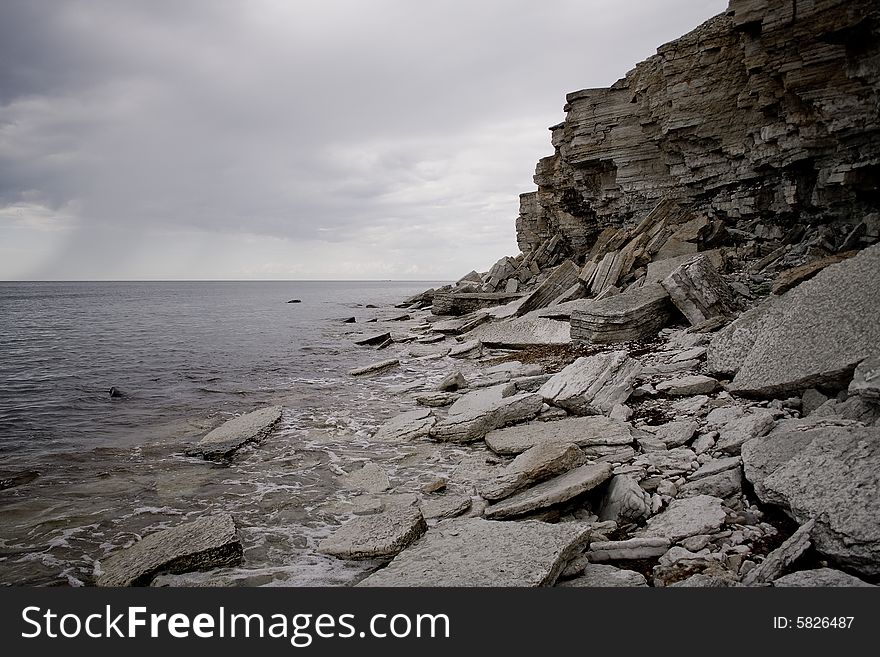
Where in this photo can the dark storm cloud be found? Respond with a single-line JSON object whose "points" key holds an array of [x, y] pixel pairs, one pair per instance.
{"points": [[391, 124]]}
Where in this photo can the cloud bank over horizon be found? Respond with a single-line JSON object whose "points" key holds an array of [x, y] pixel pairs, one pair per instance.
{"points": [[334, 139]]}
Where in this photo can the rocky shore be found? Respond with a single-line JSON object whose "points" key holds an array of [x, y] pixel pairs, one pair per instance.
{"points": [[677, 381]]}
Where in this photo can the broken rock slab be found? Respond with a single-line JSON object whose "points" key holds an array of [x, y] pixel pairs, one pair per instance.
{"points": [[370, 478], [223, 441], [373, 340], [683, 386], [699, 292], [701, 514], [482, 398], [469, 349], [375, 368], [625, 501], [827, 473], [737, 432], [209, 542], [472, 425], [534, 465], [593, 385], [477, 552], [820, 577], [585, 432], [406, 426], [522, 332], [452, 382], [560, 279], [380, 535], [633, 549], [551, 492], [602, 575], [781, 558], [824, 329], [866, 379], [632, 315], [675, 434]]}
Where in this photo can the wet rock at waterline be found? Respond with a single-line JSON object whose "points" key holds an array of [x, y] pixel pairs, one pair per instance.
{"points": [[223, 441]]}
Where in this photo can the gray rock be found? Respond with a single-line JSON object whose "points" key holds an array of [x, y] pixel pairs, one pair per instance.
{"points": [[380, 535], [375, 368], [781, 558], [737, 432], [469, 349], [824, 577], [701, 514], [866, 379], [370, 478], [534, 465], [559, 280], [551, 492], [437, 399], [477, 552], [373, 339], [522, 332], [724, 485], [209, 542], [675, 434], [602, 575], [632, 315], [473, 425], [593, 385], [698, 291], [716, 466], [680, 460], [694, 353], [633, 549], [827, 473], [731, 345], [406, 426], [625, 501], [482, 398], [585, 432], [223, 441], [460, 325], [720, 416], [452, 382], [463, 303], [827, 326], [445, 506], [811, 400], [694, 384]]}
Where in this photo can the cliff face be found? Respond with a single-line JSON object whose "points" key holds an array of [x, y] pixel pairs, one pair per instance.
{"points": [[767, 115]]}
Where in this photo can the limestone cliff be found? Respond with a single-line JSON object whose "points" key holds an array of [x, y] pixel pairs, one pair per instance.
{"points": [[763, 118]]}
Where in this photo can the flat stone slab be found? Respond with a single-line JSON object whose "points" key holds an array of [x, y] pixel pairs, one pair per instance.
{"points": [[553, 491], [209, 542], [633, 549], [632, 315], [701, 514], [469, 349], [376, 536], [823, 329], [602, 575], [477, 552], [373, 339], [585, 432], [370, 478], [473, 425], [593, 385], [737, 432], [522, 332], [675, 434], [375, 368], [827, 473], [406, 426], [233, 434], [445, 506], [535, 464], [481, 398], [825, 577], [694, 384]]}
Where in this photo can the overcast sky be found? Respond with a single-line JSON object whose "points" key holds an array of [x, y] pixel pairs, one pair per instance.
{"points": [[340, 139]]}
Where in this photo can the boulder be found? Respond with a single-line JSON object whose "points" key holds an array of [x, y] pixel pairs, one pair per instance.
{"points": [[406, 426], [481, 398], [698, 291], [625, 501], [533, 465], [658, 270], [724, 485], [477, 552], [374, 368], [679, 460], [701, 514], [866, 380], [675, 434], [223, 441], [601, 575], [585, 432], [209, 542], [820, 577], [551, 492], [452, 382], [469, 349], [592, 385], [827, 473], [825, 327], [473, 425], [380, 535], [632, 315]]}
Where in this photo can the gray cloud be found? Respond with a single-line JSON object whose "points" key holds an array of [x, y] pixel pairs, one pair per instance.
{"points": [[335, 138]]}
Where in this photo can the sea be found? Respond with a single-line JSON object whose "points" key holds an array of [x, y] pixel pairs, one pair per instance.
{"points": [[85, 474]]}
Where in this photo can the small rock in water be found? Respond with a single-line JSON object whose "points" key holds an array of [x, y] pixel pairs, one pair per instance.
{"points": [[116, 393], [295, 301]]}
